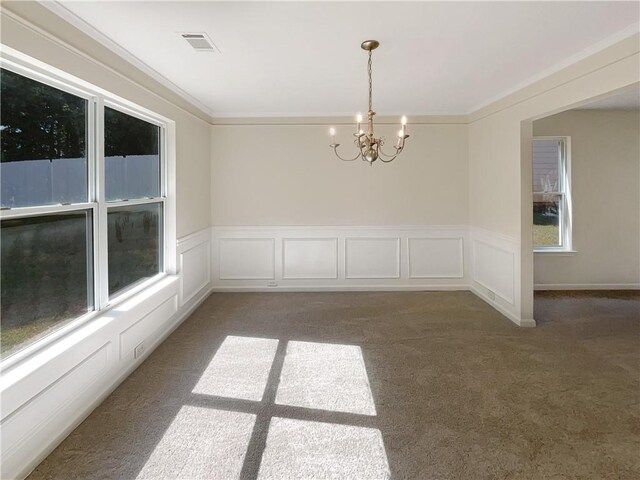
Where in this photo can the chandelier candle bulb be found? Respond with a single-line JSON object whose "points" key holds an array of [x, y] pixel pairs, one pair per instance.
{"points": [[332, 133]]}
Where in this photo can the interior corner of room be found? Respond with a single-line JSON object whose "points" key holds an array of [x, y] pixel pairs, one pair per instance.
{"points": [[196, 285]]}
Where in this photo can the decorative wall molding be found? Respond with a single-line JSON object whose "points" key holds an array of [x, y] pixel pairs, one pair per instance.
{"points": [[309, 258], [340, 258], [493, 268], [440, 257], [194, 263], [138, 332], [247, 258], [45, 408], [495, 275], [358, 252]]}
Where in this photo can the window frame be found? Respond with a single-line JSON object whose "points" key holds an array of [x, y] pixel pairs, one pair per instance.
{"points": [[565, 223], [103, 103], [97, 98]]}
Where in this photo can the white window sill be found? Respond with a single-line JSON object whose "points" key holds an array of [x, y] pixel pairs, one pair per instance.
{"points": [[42, 350], [558, 252], [32, 375]]}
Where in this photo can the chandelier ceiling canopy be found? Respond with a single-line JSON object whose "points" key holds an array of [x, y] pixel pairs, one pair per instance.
{"points": [[369, 147]]}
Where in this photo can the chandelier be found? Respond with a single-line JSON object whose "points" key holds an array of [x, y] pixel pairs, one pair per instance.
{"points": [[369, 147]]}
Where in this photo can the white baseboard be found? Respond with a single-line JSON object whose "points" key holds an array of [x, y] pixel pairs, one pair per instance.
{"points": [[345, 288], [587, 286], [521, 322]]}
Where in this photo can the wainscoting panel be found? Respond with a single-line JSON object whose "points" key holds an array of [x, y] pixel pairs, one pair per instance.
{"points": [[496, 272], [309, 258], [140, 330], [43, 408], [247, 258], [337, 258], [436, 257], [372, 257], [494, 269], [194, 260]]}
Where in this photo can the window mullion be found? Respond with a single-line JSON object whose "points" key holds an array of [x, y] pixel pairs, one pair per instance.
{"points": [[102, 260]]}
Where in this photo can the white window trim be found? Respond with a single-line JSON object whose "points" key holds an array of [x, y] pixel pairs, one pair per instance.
{"points": [[566, 219], [97, 98]]}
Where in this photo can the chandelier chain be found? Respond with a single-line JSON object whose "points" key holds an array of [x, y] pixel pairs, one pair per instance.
{"points": [[370, 84]]}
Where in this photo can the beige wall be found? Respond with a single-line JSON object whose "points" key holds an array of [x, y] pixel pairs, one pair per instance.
{"points": [[499, 147], [605, 174], [288, 175], [33, 30], [494, 131]]}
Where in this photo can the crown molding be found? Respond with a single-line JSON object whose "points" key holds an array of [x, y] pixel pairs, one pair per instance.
{"points": [[598, 47], [68, 16], [339, 120]]}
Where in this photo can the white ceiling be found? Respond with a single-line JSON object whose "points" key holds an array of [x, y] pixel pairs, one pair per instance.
{"points": [[304, 58], [623, 101]]}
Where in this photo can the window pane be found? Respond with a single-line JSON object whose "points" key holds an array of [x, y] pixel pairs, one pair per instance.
{"points": [[546, 220], [546, 165], [46, 275], [43, 132], [134, 244], [132, 160]]}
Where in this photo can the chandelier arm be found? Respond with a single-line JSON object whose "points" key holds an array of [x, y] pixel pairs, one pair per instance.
{"points": [[394, 155], [335, 150], [389, 159]]}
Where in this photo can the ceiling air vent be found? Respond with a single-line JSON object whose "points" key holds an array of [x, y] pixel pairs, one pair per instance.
{"points": [[199, 41]]}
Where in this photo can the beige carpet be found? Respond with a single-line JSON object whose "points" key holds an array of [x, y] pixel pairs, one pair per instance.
{"points": [[424, 385]]}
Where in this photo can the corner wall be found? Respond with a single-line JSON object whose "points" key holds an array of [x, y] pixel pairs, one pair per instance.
{"points": [[500, 198]]}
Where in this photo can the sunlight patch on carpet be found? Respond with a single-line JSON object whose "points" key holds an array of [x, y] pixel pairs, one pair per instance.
{"points": [[325, 376], [239, 369], [302, 449], [201, 443]]}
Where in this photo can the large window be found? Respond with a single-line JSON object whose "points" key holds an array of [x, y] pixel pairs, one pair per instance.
{"points": [[83, 204], [551, 194]]}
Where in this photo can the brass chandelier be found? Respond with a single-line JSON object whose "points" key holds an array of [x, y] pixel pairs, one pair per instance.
{"points": [[369, 147]]}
